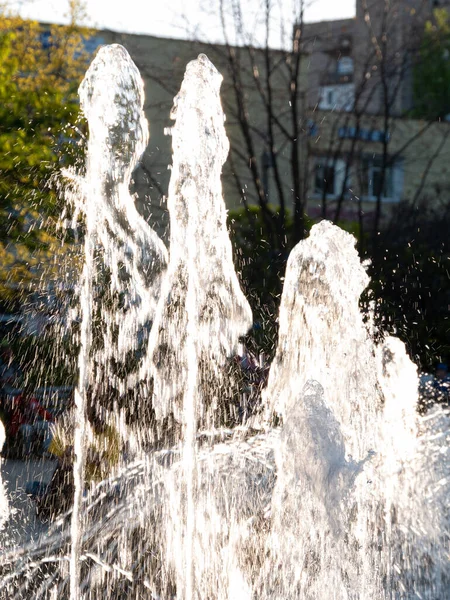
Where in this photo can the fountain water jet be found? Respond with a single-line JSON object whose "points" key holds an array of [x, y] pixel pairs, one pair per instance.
{"points": [[346, 498], [111, 97], [4, 507], [202, 311]]}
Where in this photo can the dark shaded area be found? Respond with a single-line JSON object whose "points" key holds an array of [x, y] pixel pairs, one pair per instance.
{"points": [[409, 270], [410, 280]]}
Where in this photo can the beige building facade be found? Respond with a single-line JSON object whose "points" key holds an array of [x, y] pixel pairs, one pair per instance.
{"points": [[346, 158], [365, 146], [349, 157]]}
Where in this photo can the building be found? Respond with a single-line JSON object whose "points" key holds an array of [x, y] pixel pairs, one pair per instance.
{"points": [[367, 149], [357, 146]]}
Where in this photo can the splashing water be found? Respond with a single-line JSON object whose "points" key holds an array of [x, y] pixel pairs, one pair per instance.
{"points": [[346, 504], [4, 507], [336, 490], [202, 311], [132, 254]]}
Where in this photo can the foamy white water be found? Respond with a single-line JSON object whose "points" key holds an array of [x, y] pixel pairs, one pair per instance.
{"points": [[322, 336]]}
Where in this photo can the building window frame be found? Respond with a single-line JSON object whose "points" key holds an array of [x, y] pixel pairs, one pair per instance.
{"points": [[338, 97], [371, 169], [329, 173], [345, 65]]}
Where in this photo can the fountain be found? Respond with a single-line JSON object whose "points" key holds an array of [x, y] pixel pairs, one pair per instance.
{"points": [[4, 509], [334, 489]]}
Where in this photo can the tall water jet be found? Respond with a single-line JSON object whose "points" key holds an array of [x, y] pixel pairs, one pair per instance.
{"points": [[127, 248], [4, 507], [116, 238], [202, 310], [322, 384]]}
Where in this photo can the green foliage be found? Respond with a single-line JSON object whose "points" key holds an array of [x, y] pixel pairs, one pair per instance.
{"points": [[431, 79], [40, 71]]}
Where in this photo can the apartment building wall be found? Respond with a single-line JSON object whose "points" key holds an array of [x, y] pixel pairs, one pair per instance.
{"points": [[382, 40], [162, 63], [325, 43], [418, 162], [382, 47]]}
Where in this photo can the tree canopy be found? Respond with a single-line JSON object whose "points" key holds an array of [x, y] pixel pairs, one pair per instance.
{"points": [[432, 70], [40, 70]]}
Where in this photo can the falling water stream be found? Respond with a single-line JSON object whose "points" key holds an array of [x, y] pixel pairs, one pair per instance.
{"points": [[335, 490]]}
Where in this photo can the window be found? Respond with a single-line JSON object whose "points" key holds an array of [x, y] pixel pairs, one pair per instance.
{"points": [[324, 181], [345, 66], [337, 97], [46, 39], [373, 183], [329, 177]]}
